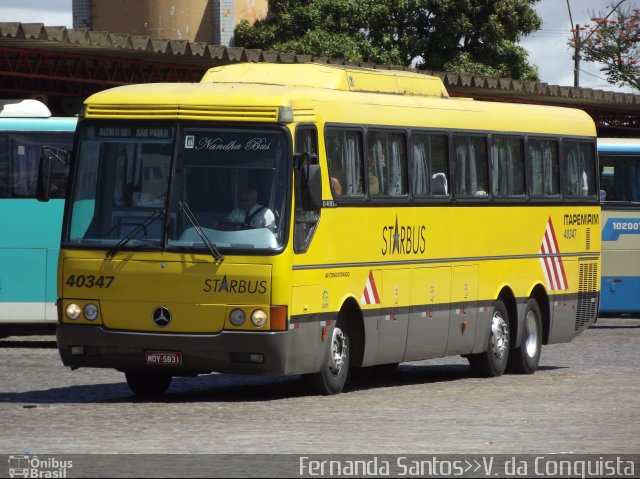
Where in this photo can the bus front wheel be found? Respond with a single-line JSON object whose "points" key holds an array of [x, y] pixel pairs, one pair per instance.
{"points": [[332, 378], [493, 361], [525, 358], [147, 384]]}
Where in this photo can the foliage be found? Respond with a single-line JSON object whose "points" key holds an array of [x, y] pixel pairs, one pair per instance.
{"points": [[472, 36], [614, 42]]}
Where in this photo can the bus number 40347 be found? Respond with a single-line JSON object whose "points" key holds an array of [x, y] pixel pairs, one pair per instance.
{"points": [[89, 281]]}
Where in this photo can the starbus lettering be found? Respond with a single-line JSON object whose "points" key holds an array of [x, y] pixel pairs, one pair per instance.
{"points": [[241, 286], [578, 220], [404, 239]]}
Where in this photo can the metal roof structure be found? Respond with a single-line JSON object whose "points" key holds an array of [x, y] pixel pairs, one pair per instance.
{"points": [[74, 63]]}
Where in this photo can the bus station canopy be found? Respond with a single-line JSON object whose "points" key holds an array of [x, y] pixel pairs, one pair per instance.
{"points": [[63, 63]]}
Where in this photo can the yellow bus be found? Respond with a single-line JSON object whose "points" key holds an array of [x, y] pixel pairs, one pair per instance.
{"points": [[309, 219]]}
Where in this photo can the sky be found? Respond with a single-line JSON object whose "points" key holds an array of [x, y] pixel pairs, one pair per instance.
{"points": [[548, 48]]}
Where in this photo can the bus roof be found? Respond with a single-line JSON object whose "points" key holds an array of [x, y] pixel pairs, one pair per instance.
{"points": [[23, 109], [326, 93], [331, 77], [38, 124], [619, 145]]}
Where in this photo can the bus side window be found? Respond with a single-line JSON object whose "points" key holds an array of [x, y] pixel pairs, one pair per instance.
{"points": [[24, 169], [470, 166], [4, 167], [543, 168], [632, 175], [507, 167], [387, 163], [578, 172], [344, 159], [429, 165]]}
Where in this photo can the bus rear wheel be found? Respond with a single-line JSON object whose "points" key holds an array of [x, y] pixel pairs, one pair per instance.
{"points": [[148, 384], [332, 378], [493, 361], [525, 358]]}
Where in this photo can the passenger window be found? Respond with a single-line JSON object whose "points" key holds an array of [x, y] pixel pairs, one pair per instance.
{"points": [[507, 167], [620, 178], [387, 164], [543, 168], [429, 165], [470, 166], [19, 159], [4, 167], [578, 170], [344, 159]]}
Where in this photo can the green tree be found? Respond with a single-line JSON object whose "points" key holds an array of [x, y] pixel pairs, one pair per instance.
{"points": [[613, 40], [473, 36]]}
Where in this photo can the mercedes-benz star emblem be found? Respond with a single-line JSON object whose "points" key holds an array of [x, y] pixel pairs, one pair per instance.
{"points": [[162, 317]]}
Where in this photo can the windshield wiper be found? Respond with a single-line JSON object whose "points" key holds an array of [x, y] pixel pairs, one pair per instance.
{"points": [[139, 227], [217, 256]]}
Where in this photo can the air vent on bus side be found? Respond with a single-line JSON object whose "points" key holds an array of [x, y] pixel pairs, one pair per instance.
{"points": [[587, 294]]}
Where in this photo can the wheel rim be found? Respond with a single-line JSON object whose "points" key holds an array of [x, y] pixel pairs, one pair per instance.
{"points": [[499, 335], [338, 351], [531, 345]]}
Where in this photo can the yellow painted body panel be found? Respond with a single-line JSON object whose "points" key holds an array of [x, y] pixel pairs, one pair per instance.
{"points": [[199, 292], [503, 241]]}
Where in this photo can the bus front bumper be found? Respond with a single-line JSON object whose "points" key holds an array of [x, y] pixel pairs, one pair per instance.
{"points": [[263, 353]]}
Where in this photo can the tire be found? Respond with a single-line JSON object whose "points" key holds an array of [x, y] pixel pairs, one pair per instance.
{"points": [[333, 376], [525, 358], [147, 384], [493, 361]]}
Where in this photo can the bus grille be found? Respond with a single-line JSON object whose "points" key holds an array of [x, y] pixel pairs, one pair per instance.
{"points": [[588, 245], [587, 294]]}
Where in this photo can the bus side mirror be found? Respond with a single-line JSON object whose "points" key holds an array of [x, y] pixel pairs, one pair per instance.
{"points": [[49, 154], [312, 198], [44, 178]]}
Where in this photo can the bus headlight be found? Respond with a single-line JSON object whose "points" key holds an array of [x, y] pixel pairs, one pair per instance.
{"points": [[237, 317], [259, 318], [90, 312], [72, 311]]}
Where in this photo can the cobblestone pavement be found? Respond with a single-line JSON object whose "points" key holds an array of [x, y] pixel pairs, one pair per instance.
{"points": [[583, 399]]}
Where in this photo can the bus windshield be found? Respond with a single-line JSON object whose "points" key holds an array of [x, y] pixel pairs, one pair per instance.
{"points": [[158, 185]]}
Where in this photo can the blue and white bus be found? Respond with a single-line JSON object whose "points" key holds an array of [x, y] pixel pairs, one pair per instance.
{"points": [[30, 232], [620, 194]]}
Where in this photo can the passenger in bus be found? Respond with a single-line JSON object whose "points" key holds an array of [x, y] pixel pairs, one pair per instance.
{"points": [[336, 186], [251, 214], [336, 178], [374, 182]]}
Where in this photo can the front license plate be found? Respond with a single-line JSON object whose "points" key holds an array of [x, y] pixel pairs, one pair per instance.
{"points": [[163, 358]]}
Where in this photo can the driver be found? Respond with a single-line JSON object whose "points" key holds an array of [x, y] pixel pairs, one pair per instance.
{"points": [[251, 214]]}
